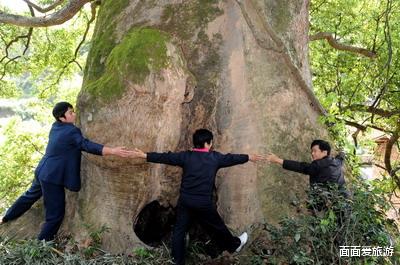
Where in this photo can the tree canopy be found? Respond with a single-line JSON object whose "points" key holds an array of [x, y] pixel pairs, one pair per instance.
{"points": [[358, 88]]}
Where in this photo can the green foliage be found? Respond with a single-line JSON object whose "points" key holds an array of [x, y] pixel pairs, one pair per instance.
{"points": [[343, 81], [348, 84], [37, 64], [65, 251], [93, 247], [19, 154], [34, 252], [316, 238], [26, 252], [152, 256], [9, 89], [23, 142]]}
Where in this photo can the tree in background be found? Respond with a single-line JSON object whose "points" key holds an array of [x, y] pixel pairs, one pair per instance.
{"points": [[354, 56]]}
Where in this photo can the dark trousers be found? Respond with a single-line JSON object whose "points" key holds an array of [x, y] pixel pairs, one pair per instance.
{"points": [[54, 204], [24, 202], [209, 219]]}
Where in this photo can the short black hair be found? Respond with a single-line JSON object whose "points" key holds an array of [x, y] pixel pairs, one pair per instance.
{"points": [[202, 136], [323, 145], [60, 108]]}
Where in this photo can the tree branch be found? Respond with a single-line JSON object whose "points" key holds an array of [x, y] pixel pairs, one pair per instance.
{"points": [[8, 45], [388, 151], [363, 127], [355, 125], [44, 9], [339, 46], [93, 7], [388, 39], [372, 110], [57, 18], [380, 166], [33, 144], [6, 64], [388, 154]]}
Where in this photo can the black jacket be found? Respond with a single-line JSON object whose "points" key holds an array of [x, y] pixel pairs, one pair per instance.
{"points": [[199, 170], [321, 171]]}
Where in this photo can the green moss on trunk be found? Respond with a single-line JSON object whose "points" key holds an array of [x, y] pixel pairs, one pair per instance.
{"points": [[104, 39], [140, 51]]}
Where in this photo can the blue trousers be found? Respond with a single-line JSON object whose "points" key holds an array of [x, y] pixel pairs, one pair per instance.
{"points": [[24, 202], [54, 204]]}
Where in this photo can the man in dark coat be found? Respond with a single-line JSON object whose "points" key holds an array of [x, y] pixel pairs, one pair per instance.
{"points": [[58, 169], [324, 170], [200, 166]]}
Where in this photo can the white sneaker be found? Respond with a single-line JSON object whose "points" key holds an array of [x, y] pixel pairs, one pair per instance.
{"points": [[243, 239]]}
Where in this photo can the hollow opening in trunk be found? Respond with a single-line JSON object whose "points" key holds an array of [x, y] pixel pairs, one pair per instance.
{"points": [[154, 224]]}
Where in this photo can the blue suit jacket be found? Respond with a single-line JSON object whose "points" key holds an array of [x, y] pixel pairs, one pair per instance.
{"points": [[61, 163]]}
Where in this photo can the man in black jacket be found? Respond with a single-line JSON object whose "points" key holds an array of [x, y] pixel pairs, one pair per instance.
{"points": [[324, 170], [200, 166]]}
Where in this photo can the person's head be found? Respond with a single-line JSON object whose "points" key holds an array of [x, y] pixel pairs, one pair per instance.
{"points": [[202, 138], [320, 149], [64, 112]]}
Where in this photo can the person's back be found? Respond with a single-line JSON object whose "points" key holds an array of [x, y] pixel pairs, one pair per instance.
{"points": [[200, 166], [198, 175], [199, 170], [60, 139]]}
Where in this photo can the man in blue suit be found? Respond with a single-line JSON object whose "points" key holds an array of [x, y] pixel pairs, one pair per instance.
{"points": [[59, 169]]}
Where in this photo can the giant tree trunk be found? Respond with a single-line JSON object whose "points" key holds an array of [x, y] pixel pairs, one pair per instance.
{"points": [[158, 70]]}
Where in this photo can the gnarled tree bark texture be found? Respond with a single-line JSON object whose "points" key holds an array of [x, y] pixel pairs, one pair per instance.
{"points": [[159, 70]]}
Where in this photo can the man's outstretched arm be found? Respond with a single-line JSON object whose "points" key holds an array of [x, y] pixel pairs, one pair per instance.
{"points": [[120, 151], [228, 160], [95, 148], [169, 158], [299, 167]]}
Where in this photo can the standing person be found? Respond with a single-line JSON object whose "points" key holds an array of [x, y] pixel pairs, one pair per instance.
{"points": [[323, 170], [58, 169], [200, 166]]}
